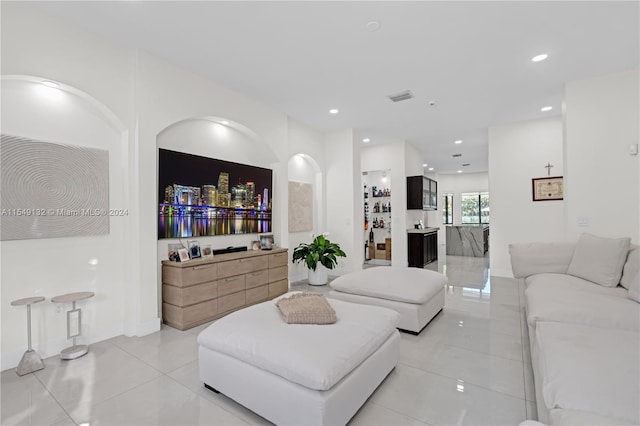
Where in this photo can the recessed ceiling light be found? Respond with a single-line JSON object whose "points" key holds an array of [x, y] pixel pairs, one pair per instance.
{"points": [[51, 84], [373, 26], [430, 169], [540, 57], [424, 165], [365, 140], [459, 171], [545, 109], [458, 142], [225, 122], [333, 111]]}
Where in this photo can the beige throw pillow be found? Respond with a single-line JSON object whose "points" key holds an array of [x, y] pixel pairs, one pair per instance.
{"points": [[599, 259], [306, 308]]}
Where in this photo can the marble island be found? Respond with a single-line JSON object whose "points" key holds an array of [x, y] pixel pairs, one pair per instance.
{"points": [[467, 240]]}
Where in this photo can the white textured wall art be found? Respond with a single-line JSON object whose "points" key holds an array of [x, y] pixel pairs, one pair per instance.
{"points": [[300, 207], [52, 190]]}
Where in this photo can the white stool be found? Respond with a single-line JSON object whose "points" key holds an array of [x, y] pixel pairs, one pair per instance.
{"points": [[30, 361], [75, 351]]}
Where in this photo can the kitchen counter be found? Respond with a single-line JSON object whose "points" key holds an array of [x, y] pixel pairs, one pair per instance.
{"points": [[422, 231], [467, 240]]}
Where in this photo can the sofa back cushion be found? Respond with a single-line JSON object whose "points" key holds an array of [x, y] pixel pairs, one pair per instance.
{"points": [[542, 257], [599, 259], [631, 266]]}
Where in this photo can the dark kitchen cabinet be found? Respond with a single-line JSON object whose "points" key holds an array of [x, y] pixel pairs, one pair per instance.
{"points": [[422, 193], [423, 247]]}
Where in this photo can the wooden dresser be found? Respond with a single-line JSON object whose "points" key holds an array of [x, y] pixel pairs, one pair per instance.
{"points": [[202, 290]]}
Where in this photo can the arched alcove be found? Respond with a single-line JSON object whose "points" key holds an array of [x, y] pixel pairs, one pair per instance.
{"points": [[305, 180], [61, 114], [218, 138]]}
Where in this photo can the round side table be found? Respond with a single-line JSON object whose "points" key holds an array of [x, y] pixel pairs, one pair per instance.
{"points": [[74, 323], [30, 361]]}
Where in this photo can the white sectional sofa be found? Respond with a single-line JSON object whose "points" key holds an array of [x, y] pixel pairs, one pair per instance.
{"points": [[583, 318]]}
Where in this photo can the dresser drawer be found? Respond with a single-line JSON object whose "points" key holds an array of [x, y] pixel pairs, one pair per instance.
{"points": [[184, 277], [257, 278], [242, 266], [231, 302], [185, 296], [278, 259], [278, 288], [257, 294], [184, 318], [279, 273], [230, 285]]}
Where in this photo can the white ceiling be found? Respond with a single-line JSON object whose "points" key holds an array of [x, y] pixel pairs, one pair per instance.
{"points": [[302, 58]]}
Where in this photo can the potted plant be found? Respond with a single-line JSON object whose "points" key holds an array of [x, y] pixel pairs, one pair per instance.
{"points": [[319, 256]]}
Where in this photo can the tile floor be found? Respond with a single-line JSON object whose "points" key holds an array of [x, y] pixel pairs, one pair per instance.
{"points": [[470, 366]]}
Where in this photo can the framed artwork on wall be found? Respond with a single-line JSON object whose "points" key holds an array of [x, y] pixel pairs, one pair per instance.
{"points": [[547, 189]]}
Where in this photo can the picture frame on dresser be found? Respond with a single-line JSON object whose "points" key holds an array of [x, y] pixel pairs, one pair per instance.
{"points": [[194, 249], [206, 250], [183, 253]]}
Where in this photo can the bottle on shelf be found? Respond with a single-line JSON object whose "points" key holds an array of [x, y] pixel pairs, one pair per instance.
{"points": [[371, 235]]}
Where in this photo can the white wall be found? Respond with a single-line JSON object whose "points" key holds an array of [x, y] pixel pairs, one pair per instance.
{"points": [[518, 153], [148, 96], [391, 157], [602, 179], [344, 197]]}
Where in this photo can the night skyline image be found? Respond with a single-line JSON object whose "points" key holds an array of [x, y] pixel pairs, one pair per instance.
{"points": [[201, 196]]}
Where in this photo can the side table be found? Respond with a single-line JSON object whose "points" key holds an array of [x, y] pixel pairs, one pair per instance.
{"points": [[30, 361], [74, 323]]}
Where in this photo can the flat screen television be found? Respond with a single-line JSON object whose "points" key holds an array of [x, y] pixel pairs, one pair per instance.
{"points": [[200, 196]]}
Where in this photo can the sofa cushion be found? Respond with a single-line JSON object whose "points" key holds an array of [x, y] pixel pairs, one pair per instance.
{"points": [[562, 298], [581, 418], [634, 289], [536, 258], [589, 369], [599, 259], [631, 266], [569, 282]]}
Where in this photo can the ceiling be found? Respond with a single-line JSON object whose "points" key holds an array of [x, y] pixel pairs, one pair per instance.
{"points": [[471, 59]]}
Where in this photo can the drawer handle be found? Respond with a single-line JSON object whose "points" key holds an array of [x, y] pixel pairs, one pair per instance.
{"points": [[195, 268]]}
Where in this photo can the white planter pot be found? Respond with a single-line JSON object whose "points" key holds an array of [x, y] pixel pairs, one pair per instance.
{"points": [[320, 276]]}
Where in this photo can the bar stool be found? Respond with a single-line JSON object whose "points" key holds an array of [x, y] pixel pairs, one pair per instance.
{"points": [[30, 361], [75, 316]]}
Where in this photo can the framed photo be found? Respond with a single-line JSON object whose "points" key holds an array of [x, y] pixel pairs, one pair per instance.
{"points": [[548, 189], [207, 251], [266, 241], [173, 252], [255, 245], [183, 253], [194, 249]]}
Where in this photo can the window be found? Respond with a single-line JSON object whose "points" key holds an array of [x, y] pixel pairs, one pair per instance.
{"points": [[447, 209], [475, 207]]}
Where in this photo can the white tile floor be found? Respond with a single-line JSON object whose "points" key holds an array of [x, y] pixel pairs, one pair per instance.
{"points": [[468, 367]]}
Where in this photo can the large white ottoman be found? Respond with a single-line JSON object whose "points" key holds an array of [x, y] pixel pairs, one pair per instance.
{"points": [[416, 294], [299, 374]]}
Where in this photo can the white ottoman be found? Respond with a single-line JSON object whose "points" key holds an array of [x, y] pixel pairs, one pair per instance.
{"points": [[416, 294], [300, 374]]}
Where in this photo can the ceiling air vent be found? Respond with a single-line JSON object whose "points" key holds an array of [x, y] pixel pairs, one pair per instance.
{"points": [[457, 155], [402, 96], [466, 164]]}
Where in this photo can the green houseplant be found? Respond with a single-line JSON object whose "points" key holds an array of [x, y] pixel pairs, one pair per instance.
{"points": [[322, 251]]}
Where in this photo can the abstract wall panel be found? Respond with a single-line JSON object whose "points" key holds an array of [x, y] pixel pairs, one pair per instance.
{"points": [[52, 190], [300, 207]]}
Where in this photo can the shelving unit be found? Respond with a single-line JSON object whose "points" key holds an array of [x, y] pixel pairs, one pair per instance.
{"points": [[377, 218]]}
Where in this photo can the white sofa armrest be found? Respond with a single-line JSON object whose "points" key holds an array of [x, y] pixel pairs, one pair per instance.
{"points": [[537, 258]]}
